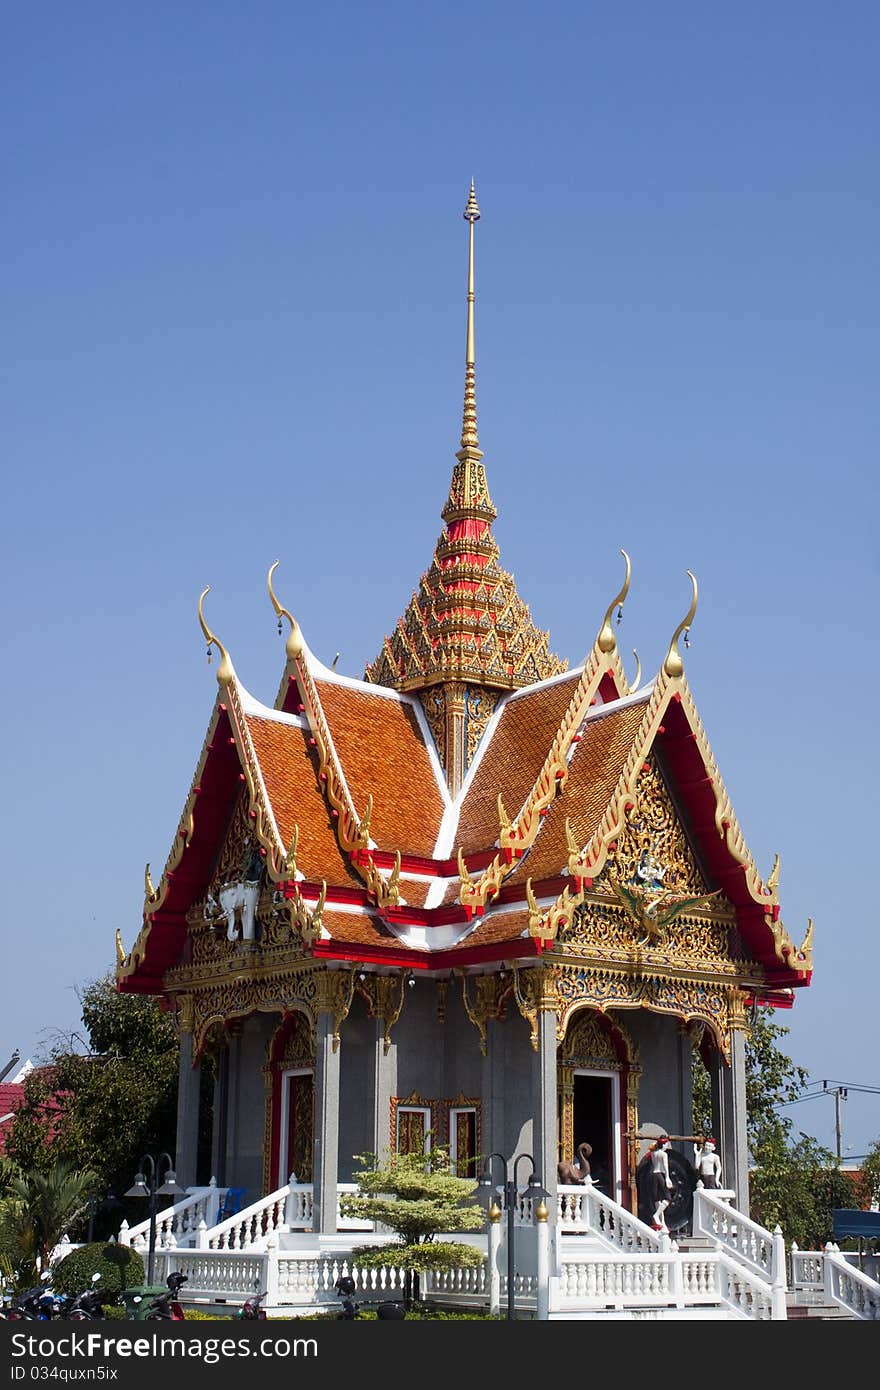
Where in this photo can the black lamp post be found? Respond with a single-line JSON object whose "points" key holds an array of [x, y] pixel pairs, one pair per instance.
{"points": [[511, 1194], [147, 1184]]}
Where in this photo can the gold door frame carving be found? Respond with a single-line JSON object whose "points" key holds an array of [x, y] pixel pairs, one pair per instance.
{"points": [[594, 1041]]}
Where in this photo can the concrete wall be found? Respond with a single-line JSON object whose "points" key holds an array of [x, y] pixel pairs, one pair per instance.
{"points": [[356, 1082]]}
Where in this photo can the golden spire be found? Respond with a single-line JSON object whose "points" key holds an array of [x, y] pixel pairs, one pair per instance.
{"points": [[470, 443], [607, 642], [225, 672], [673, 665], [294, 644]]}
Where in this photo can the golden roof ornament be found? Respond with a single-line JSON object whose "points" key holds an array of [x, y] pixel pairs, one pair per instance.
{"points": [[606, 641], [293, 647], [225, 672], [466, 622], [673, 665]]}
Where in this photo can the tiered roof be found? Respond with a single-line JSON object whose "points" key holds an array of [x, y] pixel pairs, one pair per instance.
{"points": [[352, 809]]}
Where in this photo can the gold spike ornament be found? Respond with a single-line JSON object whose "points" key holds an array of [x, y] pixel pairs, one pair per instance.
{"points": [[673, 665]]}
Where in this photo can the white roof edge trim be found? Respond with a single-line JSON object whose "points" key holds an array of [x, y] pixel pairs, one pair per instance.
{"points": [[257, 710], [551, 680], [321, 672], [635, 697]]}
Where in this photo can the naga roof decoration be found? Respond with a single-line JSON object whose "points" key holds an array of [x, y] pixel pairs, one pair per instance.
{"points": [[466, 621], [589, 827]]}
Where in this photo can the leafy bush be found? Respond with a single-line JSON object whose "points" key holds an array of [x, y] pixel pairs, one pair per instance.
{"points": [[118, 1265]]}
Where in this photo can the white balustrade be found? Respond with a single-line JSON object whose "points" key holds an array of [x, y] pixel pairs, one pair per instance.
{"points": [[743, 1239], [213, 1272], [180, 1221], [848, 1286], [658, 1279], [585, 1208], [251, 1228]]}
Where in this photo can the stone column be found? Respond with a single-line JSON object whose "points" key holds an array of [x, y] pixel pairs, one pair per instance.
{"points": [[492, 1136], [384, 1070], [729, 1117], [188, 1085], [544, 1105], [326, 1162]]}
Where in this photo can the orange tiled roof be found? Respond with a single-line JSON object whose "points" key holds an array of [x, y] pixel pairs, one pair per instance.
{"points": [[382, 752], [289, 776], [357, 929], [593, 773], [490, 931], [512, 761]]}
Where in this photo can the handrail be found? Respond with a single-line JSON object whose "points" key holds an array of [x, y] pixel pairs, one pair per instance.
{"points": [[850, 1287], [249, 1229], [746, 1291], [180, 1219], [753, 1245], [582, 1207]]}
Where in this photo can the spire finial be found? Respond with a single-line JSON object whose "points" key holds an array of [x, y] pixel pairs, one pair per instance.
{"points": [[673, 665], [606, 640], [469, 438], [294, 645], [225, 672]]}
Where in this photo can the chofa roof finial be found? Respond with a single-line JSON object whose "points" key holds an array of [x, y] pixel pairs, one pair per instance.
{"points": [[673, 665], [225, 672], [606, 640], [293, 647]]}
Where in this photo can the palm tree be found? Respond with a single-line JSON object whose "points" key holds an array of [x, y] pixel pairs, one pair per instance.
{"points": [[51, 1201]]}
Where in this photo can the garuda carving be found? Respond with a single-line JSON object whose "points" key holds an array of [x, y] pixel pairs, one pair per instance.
{"points": [[651, 904]]}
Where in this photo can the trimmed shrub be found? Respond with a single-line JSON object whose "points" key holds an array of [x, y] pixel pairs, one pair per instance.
{"points": [[118, 1265]]}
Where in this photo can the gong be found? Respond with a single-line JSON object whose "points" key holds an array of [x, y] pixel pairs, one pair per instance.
{"points": [[681, 1198]]}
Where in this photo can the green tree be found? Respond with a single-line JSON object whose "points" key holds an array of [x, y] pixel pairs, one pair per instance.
{"points": [[103, 1107], [50, 1201], [419, 1197], [870, 1181], [798, 1183], [772, 1078]]}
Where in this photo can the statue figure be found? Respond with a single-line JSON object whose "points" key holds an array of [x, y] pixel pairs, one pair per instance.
{"points": [[661, 1182], [238, 900], [575, 1173], [708, 1164]]}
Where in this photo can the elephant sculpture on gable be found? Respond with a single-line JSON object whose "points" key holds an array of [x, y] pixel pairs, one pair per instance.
{"points": [[238, 904]]}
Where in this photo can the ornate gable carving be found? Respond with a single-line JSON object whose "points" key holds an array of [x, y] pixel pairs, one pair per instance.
{"points": [[651, 900], [653, 828]]}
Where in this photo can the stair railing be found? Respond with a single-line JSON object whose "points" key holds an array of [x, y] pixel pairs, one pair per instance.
{"points": [[583, 1207]]}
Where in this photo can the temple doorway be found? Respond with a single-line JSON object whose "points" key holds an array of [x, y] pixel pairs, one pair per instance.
{"points": [[595, 1114], [295, 1136]]}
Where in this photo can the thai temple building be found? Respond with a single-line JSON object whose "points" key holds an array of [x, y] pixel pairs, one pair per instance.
{"points": [[476, 897]]}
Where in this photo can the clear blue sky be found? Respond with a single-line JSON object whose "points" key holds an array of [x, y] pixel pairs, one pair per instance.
{"points": [[233, 277]]}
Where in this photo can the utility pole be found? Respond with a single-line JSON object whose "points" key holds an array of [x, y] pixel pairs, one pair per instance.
{"points": [[839, 1093]]}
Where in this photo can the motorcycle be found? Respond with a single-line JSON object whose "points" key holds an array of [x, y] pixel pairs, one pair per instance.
{"points": [[386, 1311], [90, 1303], [253, 1308], [34, 1305], [165, 1306]]}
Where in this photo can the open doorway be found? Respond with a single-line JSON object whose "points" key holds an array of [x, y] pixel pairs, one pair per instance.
{"points": [[596, 1116]]}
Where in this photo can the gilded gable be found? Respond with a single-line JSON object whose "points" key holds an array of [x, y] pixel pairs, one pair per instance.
{"points": [[651, 901]]}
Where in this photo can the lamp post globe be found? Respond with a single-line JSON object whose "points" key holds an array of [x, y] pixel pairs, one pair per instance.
{"points": [[154, 1179]]}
